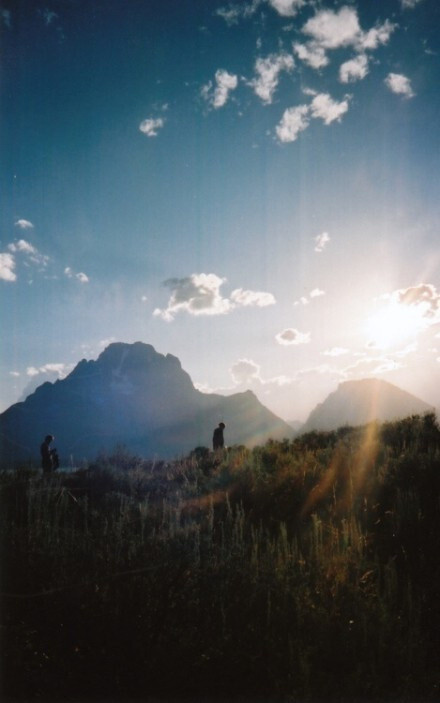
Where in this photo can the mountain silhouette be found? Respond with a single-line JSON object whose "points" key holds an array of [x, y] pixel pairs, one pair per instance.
{"points": [[134, 396], [359, 402]]}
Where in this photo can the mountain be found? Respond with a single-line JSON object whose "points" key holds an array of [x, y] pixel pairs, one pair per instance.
{"points": [[359, 402], [131, 395], [296, 425]]}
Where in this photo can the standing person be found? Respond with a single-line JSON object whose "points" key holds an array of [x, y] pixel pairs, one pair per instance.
{"points": [[48, 454], [218, 441]]}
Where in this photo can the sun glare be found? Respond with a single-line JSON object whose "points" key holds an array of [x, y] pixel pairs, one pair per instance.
{"points": [[394, 325]]}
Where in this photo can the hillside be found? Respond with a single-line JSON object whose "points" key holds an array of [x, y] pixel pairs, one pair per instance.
{"points": [[359, 402], [134, 396], [294, 571]]}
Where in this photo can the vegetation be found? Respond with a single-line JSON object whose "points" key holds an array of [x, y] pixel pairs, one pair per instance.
{"points": [[296, 571]]}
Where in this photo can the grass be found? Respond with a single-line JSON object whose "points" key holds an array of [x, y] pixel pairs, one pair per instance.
{"points": [[297, 571]]}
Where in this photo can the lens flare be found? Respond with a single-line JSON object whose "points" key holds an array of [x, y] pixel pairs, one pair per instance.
{"points": [[395, 324]]}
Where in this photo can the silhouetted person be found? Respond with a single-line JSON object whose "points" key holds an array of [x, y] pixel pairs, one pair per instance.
{"points": [[218, 441], [49, 457]]}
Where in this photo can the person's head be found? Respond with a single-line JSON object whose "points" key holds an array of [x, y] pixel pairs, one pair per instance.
{"points": [[49, 438], [222, 425]]}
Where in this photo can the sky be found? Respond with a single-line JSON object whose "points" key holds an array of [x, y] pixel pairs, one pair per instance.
{"points": [[251, 186]]}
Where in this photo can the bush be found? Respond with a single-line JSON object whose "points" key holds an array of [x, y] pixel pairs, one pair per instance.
{"points": [[280, 573]]}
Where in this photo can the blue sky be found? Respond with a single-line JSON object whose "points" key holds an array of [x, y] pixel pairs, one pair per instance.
{"points": [[251, 186]]}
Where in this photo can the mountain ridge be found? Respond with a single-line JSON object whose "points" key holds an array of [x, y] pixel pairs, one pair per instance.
{"points": [[358, 402], [135, 396]]}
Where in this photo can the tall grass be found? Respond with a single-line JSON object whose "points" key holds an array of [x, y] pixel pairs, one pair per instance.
{"points": [[299, 570]]}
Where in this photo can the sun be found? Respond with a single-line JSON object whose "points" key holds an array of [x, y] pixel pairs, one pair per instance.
{"points": [[394, 324]]}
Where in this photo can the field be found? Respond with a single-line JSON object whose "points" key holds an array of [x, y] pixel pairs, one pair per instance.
{"points": [[297, 571]]}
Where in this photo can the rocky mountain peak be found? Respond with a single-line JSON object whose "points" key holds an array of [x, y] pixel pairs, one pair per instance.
{"points": [[359, 402], [135, 396]]}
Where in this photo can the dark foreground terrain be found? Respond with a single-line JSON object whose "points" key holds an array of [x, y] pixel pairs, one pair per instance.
{"points": [[297, 571]]}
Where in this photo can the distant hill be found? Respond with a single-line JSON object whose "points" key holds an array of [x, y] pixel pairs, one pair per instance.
{"points": [[359, 402], [296, 425], [134, 396]]}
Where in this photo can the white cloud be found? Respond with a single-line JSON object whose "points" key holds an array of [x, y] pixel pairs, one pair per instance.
{"points": [[315, 293], [203, 387], [198, 294], [409, 4], [291, 336], [61, 370], [399, 84], [244, 371], [332, 30], [54, 370], [32, 254], [372, 366], [336, 351], [287, 8], [375, 36], [277, 381], [321, 241], [297, 119], [22, 245], [233, 13], [7, 266], [424, 297], [312, 54], [302, 301], [48, 372], [225, 83], [81, 277], [24, 224], [151, 126], [103, 343], [329, 110], [245, 298], [144, 298], [268, 71], [354, 70], [293, 121]]}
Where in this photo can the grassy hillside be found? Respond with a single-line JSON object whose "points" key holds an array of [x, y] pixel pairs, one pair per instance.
{"points": [[298, 570]]}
